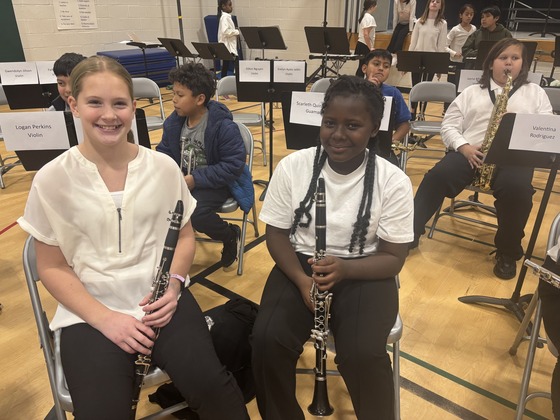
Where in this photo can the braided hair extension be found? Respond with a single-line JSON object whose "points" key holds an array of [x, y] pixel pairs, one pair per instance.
{"points": [[347, 86], [305, 205]]}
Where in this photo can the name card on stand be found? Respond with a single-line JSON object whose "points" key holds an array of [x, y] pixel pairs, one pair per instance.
{"points": [[19, 73], [45, 72], [34, 130], [536, 133], [289, 71], [306, 109], [471, 77], [254, 71]]}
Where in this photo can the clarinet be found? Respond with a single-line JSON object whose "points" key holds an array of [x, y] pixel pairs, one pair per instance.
{"points": [[159, 286], [544, 274], [322, 301]]}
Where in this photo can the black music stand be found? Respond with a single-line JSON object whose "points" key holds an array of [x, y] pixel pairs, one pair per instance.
{"points": [[324, 40], [263, 38], [543, 33], [29, 96], [177, 49], [213, 51], [423, 62], [143, 46], [266, 92], [500, 154]]}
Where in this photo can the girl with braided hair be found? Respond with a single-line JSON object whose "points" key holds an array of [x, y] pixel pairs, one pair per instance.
{"points": [[369, 223]]}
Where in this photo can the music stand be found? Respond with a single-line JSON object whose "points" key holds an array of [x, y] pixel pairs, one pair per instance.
{"points": [[423, 62], [28, 96], [485, 46], [143, 46], [177, 49], [500, 154], [547, 17], [324, 40], [266, 92], [213, 51], [263, 38]]}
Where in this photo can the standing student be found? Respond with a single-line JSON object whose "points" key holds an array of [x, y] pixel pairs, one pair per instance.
{"points": [[490, 30], [376, 67], [99, 215], [227, 32], [404, 15], [455, 40], [201, 136], [463, 130], [366, 32], [430, 35], [62, 69], [369, 223]]}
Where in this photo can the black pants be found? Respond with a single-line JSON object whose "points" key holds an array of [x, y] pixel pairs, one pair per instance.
{"points": [[363, 313], [550, 297], [361, 49], [512, 190], [100, 375], [398, 37], [205, 218]]}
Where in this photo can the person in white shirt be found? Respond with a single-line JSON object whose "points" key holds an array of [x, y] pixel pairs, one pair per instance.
{"points": [[99, 216], [366, 33], [463, 131], [404, 15], [368, 228], [227, 32], [429, 34]]}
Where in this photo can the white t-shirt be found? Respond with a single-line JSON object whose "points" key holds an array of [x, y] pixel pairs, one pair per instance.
{"points": [[466, 119], [368, 21], [113, 252], [391, 210]]}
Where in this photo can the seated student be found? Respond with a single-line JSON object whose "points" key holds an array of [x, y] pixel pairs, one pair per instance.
{"points": [[550, 298], [463, 130], [368, 227], [62, 69], [490, 30], [99, 214], [376, 67], [202, 138]]}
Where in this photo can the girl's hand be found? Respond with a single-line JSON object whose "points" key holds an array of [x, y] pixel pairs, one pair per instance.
{"points": [[328, 271], [162, 309], [473, 155], [306, 295], [128, 333]]}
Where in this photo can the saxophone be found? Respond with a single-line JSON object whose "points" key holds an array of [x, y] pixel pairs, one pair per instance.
{"points": [[485, 172]]}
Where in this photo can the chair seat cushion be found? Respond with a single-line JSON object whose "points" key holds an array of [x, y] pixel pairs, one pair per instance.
{"points": [[247, 119], [425, 127]]}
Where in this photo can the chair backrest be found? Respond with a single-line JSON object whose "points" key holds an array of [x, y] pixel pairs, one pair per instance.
{"points": [[248, 141], [322, 85], [142, 87], [433, 92], [226, 86], [553, 94], [554, 232]]}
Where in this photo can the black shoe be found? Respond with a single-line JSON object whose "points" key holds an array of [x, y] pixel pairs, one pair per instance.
{"points": [[231, 247], [505, 267], [414, 244]]}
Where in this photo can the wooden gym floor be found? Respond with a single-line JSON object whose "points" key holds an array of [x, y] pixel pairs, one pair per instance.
{"points": [[454, 356]]}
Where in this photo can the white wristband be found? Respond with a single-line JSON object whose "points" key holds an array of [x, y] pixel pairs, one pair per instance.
{"points": [[184, 281]]}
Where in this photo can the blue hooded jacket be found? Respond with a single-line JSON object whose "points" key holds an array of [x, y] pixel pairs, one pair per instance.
{"points": [[224, 150]]}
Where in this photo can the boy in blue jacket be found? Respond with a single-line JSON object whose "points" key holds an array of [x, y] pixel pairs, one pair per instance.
{"points": [[202, 138]]}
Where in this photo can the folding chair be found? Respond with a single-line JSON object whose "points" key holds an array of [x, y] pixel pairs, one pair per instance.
{"points": [[231, 205], [5, 167], [553, 94], [394, 340], [144, 88], [534, 308], [226, 87], [444, 92], [50, 343], [322, 85]]}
